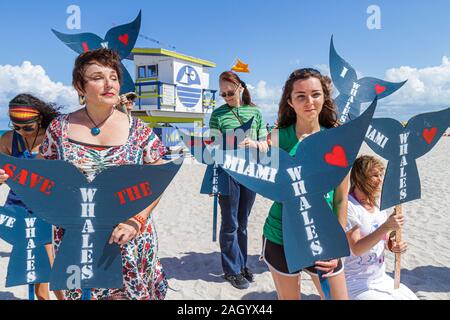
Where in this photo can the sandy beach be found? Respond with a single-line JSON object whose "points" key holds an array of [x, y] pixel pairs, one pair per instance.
{"points": [[192, 261]]}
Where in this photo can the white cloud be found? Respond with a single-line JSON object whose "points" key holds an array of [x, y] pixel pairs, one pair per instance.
{"points": [[29, 78], [429, 86], [266, 98]]}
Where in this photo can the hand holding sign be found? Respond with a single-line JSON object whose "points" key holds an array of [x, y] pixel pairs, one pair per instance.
{"points": [[62, 196], [310, 230]]}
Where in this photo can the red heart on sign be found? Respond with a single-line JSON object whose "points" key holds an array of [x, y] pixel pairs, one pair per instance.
{"points": [[379, 89], [428, 134], [337, 157], [124, 38], [85, 46]]}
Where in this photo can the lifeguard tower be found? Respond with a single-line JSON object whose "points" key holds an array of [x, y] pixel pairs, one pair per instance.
{"points": [[171, 87]]}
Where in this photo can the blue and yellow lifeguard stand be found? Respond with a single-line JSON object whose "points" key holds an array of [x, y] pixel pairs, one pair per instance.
{"points": [[171, 87]]}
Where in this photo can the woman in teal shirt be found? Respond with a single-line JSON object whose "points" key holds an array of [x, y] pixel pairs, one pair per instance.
{"points": [[306, 107]]}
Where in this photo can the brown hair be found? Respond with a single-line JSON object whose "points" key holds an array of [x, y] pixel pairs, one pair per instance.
{"points": [[287, 115], [359, 176], [105, 57], [230, 76]]}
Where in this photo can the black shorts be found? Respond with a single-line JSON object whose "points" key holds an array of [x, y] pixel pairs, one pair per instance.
{"points": [[273, 256]]}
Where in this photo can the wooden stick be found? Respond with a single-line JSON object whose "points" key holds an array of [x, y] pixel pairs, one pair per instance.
{"points": [[398, 238]]}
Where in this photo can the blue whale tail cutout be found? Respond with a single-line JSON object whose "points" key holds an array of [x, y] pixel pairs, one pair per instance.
{"points": [[311, 232], [88, 211], [353, 92], [121, 39], [402, 146]]}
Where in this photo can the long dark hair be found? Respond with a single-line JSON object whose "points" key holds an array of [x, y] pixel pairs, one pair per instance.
{"points": [[48, 111], [287, 115], [230, 76]]}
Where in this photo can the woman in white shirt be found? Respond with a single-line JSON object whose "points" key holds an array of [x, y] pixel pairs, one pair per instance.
{"points": [[369, 230]]}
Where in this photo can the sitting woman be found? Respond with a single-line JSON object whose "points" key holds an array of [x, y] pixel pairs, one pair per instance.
{"points": [[367, 234]]}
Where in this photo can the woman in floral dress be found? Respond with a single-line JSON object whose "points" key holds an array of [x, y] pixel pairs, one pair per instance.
{"points": [[96, 137]]}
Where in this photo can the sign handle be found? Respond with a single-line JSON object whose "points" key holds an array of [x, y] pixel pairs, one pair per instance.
{"points": [[31, 292], [215, 218], [86, 294], [325, 285], [398, 238]]}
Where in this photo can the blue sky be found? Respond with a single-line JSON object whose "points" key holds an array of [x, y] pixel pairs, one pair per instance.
{"points": [[274, 37]]}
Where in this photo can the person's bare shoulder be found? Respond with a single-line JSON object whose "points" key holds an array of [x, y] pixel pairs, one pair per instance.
{"points": [[5, 142]]}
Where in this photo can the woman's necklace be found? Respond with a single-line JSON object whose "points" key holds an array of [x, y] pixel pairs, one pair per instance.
{"points": [[95, 131], [30, 150]]}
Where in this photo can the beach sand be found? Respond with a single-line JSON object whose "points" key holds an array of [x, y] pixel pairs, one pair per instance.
{"points": [[192, 261]]}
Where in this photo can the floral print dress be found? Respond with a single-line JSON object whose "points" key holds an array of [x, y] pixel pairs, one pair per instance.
{"points": [[143, 276]]}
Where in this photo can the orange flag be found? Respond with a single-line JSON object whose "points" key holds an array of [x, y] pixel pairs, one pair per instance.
{"points": [[240, 67]]}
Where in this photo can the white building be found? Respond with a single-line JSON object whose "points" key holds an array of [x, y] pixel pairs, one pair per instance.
{"points": [[171, 87]]}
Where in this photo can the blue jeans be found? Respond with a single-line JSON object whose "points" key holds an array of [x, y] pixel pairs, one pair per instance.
{"points": [[235, 209]]}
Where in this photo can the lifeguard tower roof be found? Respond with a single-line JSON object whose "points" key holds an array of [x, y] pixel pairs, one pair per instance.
{"points": [[173, 54]]}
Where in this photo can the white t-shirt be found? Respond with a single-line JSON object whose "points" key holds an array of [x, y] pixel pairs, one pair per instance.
{"points": [[364, 272]]}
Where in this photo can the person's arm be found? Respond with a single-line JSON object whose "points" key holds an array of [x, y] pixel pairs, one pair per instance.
{"points": [[340, 201], [5, 147], [360, 245], [129, 229]]}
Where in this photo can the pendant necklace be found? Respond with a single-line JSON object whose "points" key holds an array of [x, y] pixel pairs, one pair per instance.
{"points": [[29, 151], [95, 131]]}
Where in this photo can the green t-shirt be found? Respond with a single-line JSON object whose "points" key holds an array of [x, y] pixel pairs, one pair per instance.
{"points": [[224, 119], [273, 229]]}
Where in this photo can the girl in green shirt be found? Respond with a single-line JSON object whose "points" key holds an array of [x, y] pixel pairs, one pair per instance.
{"points": [[306, 107]]}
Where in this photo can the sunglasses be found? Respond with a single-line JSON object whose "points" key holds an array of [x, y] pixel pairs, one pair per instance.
{"points": [[229, 93], [27, 128]]}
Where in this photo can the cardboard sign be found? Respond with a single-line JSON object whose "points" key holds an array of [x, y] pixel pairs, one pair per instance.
{"points": [[215, 180], [61, 195], [311, 231], [401, 146], [121, 39], [354, 91], [29, 262]]}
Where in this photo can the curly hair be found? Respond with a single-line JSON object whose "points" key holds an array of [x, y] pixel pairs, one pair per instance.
{"points": [[287, 115], [105, 57], [48, 111]]}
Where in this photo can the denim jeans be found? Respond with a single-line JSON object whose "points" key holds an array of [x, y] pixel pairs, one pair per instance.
{"points": [[235, 209]]}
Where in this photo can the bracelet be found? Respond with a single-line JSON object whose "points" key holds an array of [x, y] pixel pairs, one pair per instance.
{"points": [[142, 221]]}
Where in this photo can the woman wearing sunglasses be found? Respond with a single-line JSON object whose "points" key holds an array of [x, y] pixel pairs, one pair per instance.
{"points": [[305, 108], [236, 207], [29, 118]]}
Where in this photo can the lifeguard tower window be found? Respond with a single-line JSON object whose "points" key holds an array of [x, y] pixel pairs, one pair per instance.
{"points": [[141, 72], [152, 71]]}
